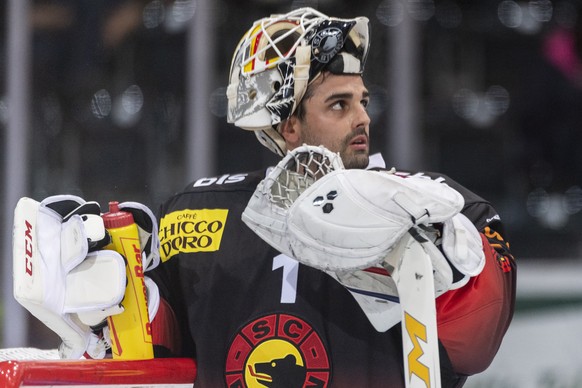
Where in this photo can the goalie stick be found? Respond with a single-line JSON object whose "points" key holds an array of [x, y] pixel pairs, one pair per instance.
{"points": [[410, 266]]}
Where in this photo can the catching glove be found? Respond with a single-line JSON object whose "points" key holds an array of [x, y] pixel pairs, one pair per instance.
{"points": [[346, 222], [310, 208]]}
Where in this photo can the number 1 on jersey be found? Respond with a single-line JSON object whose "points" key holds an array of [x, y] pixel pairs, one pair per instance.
{"points": [[290, 272]]}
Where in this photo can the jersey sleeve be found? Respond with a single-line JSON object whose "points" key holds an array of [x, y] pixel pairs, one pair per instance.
{"points": [[473, 319]]}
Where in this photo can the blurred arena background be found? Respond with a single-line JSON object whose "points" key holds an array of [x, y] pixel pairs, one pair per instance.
{"points": [[125, 100]]}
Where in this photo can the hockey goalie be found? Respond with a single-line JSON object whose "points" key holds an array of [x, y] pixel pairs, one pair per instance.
{"points": [[328, 269], [380, 246]]}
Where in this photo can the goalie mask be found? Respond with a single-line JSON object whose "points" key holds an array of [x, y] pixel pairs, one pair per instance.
{"points": [[276, 60]]}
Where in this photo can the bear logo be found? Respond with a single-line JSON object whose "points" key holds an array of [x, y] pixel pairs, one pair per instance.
{"points": [[283, 372]]}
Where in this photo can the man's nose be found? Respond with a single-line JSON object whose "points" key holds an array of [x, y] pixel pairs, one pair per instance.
{"points": [[361, 117]]}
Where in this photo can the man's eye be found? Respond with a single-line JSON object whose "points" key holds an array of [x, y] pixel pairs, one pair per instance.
{"points": [[338, 105], [365, 103]]}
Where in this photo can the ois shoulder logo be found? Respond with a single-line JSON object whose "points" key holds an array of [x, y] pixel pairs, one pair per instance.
{"points": [[187, 231], [221, 180], [277, 350]]}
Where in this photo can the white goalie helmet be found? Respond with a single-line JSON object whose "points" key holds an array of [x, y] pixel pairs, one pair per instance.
{"points": [[276, 60]]}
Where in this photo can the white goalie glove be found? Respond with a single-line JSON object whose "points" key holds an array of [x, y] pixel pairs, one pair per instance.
{"points": [[62, 275], [346, 222], [311, 208]]}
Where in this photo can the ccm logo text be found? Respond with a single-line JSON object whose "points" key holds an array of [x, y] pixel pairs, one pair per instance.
{"points": [[28, 248]]}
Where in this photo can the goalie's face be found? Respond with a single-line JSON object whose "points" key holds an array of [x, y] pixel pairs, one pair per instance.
{"points": [[335, 116]]}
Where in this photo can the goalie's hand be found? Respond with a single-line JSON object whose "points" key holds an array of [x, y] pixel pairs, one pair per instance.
{"points": [[351, 219], [463, 247], [64, 277], [100, 340], [56, 278]]}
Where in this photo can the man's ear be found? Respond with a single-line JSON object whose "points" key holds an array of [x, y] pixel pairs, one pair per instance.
{"points": [[291, 132]]}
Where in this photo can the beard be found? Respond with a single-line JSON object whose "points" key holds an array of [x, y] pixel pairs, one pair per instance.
{"points": [[354, 159], [358, 160]]}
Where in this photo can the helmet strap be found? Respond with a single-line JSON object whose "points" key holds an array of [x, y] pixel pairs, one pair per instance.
{"points": [[301, 74]]}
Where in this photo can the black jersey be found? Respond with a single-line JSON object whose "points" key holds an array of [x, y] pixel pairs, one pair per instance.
{"points": [[253, 317]]}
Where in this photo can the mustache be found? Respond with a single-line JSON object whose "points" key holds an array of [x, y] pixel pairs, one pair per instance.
{"points": [[358, 132]]}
